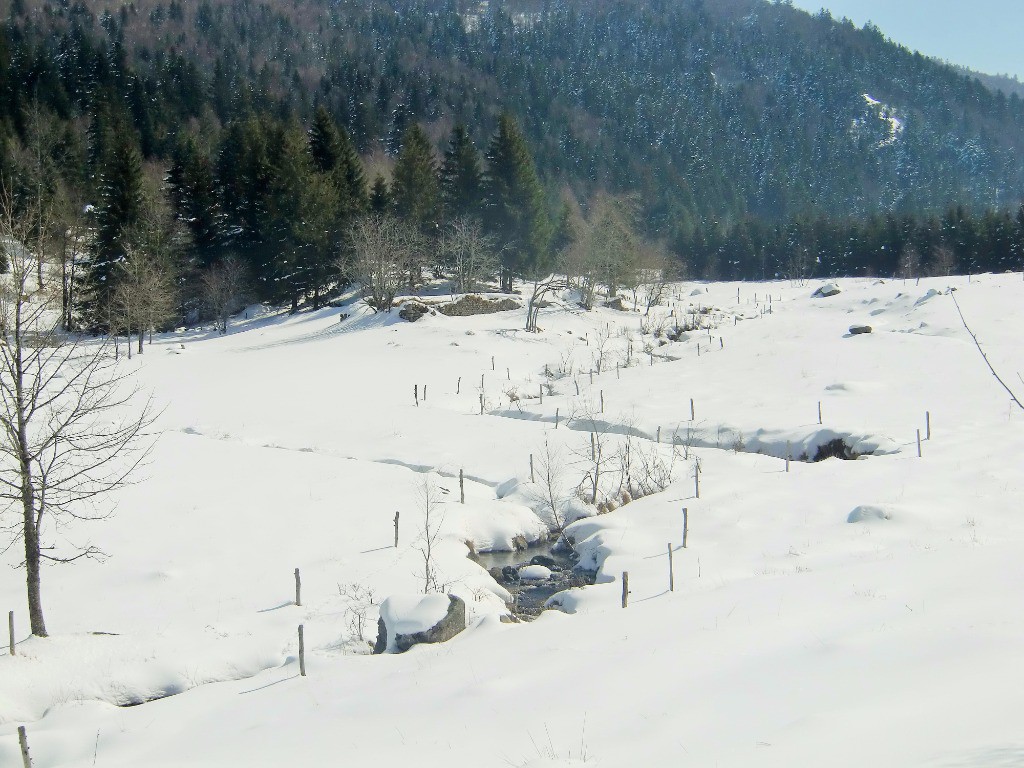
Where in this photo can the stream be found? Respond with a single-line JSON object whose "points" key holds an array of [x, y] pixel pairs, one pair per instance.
{"points": [[534, 575]]}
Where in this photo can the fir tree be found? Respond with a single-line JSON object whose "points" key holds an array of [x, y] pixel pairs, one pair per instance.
{"points": [[415, 193], [515, 212], [461, 176], [380, 196]]}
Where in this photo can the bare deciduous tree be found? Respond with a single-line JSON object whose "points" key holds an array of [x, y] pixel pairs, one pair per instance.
{"points": [[69, 434], [146, 294], [225, 288], [552, 491], [429, 534], [469, 254], [383, 248]]}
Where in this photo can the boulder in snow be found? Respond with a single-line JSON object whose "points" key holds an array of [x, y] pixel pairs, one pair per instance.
{"points": [[413, 311], [406, 621], [857, 330], [828, 289]]}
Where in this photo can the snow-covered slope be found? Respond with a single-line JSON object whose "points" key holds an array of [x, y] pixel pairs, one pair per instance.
{"points": [[841, 613]]}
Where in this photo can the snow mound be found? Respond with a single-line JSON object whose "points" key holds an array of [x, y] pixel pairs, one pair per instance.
{"points": [[534, 573], [828, 289], [867, 513]]}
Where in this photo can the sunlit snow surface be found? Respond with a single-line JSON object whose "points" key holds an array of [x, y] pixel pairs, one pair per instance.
{"points": [[845, 613]]}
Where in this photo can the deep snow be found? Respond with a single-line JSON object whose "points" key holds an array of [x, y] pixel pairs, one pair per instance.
{"points": [[843, 613]]}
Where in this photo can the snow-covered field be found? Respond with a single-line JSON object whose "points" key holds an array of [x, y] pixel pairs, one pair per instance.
{"points": [[845, 613]]}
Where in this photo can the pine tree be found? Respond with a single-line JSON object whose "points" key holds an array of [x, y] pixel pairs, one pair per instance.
{"points": [[461, 176], [515, 212], [415, 192]]}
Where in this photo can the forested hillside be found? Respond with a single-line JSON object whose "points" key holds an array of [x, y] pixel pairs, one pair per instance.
{"points": [[729, 121]]}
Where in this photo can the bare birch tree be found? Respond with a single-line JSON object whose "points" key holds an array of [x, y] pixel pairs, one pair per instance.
{"points": [[69, 434]]}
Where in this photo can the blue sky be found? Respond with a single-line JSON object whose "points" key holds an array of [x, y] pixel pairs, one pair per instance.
{"points": [[986, 35]]}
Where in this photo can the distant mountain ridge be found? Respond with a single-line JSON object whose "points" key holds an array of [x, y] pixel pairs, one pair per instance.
{"points": [[711, 111]]}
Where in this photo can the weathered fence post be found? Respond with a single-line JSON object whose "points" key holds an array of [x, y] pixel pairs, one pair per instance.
{"points": [[298, 588], [696, 481], [789, 454], [692, 412], [625, 588], [458, 385], [481, 403], [424, 393], [659, 435], [396, 529], [23, 740], [602, 401], [10, 629], [686, 525], [302, 653], [819, 411], [416, 394], [919, 443], [928, 425], [462, 488], [671, 572], [492, 362], [531, 467], [556, 418]]}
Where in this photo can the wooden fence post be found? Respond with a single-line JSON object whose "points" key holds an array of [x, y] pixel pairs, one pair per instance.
{"points": [[671, 572], [556, 418], [481, 403], [492, 362], [10, 629], [396, 529], [602, 401], [462, 491], [686, 525], [789, 454], [541, 390], [23, 740], [696, 482], [458, 385], [928, 424], [302, 653], [692, 412], [625, 588], [424, 393], [416, 394], [577, 383], [919, 443], [298, 588], [531, 467], [659, 436], [819, 411]]}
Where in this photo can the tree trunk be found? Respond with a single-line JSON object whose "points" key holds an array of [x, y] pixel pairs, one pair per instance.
{"points": [[30, 524], [32, 563], [142, 337]]}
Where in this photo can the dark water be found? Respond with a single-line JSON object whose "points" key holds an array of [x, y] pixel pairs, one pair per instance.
{"points": [[529, 597]]}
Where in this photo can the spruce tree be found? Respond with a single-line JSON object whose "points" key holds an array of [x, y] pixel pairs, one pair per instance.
{"points": [[121, 201], [380, 196], [461, 176], [415, 192], [515, 212]]}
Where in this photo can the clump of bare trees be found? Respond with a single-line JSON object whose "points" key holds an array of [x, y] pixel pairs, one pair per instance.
{"points": [[384, 252], [225, 289], [71, 431], [469, 255]]}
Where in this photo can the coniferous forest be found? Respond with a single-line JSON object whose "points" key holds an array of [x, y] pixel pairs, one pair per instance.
{"points": [[218, 144]]}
